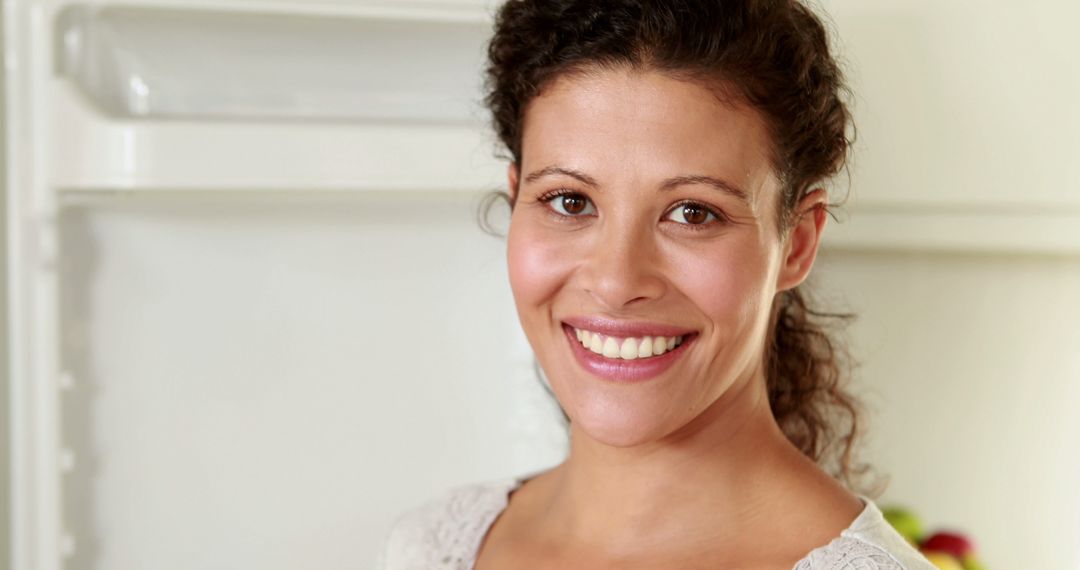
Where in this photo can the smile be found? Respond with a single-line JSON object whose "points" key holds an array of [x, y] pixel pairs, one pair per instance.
{"points": [[631, 348], [627, 359]]}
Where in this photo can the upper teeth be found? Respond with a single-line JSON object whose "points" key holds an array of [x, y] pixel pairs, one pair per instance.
{"points": [[627, 348]]}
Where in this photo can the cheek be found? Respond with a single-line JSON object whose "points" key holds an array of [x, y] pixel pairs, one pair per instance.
{"points": [[728, 285], [537, 265]]}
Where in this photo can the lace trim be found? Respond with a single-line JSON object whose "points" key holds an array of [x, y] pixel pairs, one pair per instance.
{"points": [[445, 534]]}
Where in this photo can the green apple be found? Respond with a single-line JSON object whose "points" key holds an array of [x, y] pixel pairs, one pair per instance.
{"points": [[943, 561], [905, 522], [970, 562]]}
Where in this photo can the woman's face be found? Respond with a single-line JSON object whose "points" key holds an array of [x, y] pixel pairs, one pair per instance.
{"points": [[644, 210]]}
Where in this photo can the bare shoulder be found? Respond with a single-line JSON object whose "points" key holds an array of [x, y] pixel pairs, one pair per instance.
{"points": [[846, 529], [814, 505]]}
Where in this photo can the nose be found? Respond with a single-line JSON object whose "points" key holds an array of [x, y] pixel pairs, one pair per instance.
{"points": [[623, 267]]}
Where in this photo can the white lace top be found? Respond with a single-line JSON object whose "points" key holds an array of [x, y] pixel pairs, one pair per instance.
{"points": [[446, 532]]}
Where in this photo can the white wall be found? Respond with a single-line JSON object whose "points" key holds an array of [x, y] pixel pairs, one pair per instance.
{"points": [[5, 427], [969, 133], [966, 102], [970, 366]]}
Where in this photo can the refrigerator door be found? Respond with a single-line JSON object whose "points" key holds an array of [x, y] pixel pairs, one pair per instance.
{"points": [[254, 317]]}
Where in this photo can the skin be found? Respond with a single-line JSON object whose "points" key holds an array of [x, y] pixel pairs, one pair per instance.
{"points": [[689, 469]]}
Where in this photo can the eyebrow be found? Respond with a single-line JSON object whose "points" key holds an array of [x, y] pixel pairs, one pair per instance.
{"points": [[667, 185], [717, 183], [551, 170]]}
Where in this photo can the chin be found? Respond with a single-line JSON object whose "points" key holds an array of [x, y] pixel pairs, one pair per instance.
{"points": [[618, 424]]}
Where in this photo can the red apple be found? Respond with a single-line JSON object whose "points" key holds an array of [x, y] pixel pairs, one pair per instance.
{"points": [[955, 544]]}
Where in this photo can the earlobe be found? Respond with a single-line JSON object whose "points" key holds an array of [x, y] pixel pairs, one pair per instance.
{"points": [[803, 240]]}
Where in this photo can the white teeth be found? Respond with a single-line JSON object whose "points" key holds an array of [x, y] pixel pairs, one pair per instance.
{"points": [[645, 348], [596, 344], [626, 348]]}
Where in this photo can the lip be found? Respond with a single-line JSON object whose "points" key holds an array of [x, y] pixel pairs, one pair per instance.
{"points": [[624, 329], [625, 371]]}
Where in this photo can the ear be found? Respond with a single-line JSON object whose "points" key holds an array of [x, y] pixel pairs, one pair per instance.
{"points": [[800, 248], [512, 180]]}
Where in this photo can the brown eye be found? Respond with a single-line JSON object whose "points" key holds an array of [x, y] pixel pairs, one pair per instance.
{"points": [[694, 214], [570, 204], [691, 214], [573, 204]]}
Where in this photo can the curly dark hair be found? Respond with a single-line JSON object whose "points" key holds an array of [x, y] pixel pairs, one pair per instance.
{"points": [[774, 55]]}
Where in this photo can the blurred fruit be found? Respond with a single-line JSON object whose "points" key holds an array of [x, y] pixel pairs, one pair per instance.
{"points": [[970, 562], [943, 561], [905, 522], [952, 543]]}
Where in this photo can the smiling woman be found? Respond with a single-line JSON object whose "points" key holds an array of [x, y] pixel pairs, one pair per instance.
{"points": [[666, 171], [644, 256]]}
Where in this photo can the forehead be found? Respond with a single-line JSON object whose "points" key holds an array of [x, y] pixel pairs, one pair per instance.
{"points": [[631, 126]]}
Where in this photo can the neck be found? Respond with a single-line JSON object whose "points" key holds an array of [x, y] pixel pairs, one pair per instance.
{"points": [[723, 468]]}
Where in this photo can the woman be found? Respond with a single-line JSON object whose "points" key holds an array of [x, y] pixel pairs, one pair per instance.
{"points": [[666, 162]]}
